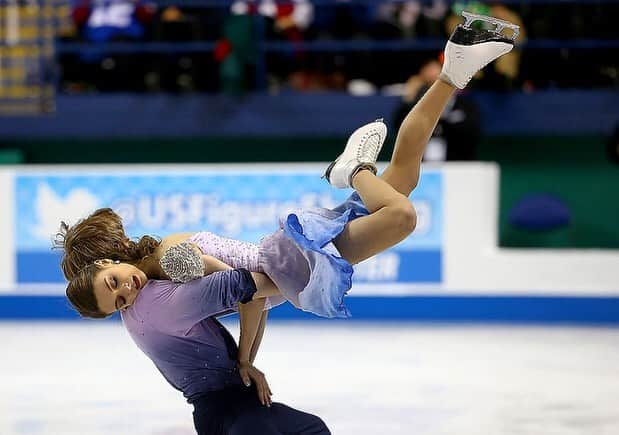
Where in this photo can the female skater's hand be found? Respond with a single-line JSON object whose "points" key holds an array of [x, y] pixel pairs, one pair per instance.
{"points": [[250, 373]]}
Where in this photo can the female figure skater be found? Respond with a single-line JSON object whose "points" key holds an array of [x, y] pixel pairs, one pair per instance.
{"points": [[309, 258]]}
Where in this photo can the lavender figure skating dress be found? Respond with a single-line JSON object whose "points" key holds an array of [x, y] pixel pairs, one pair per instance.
{"points": [[300, 257]]}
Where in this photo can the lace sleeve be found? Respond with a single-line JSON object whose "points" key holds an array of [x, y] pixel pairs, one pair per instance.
{"points": [[182, 263]]}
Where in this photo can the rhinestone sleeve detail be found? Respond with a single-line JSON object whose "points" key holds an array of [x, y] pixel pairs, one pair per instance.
{"points": [[182, 263]]}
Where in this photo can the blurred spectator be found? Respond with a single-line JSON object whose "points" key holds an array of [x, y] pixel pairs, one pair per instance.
{"points": [[504, 72], [108, 20], [284, 20], [102, 21], [409, 19], [288, 19], [177, 25], [236, 54], [236, 28], [458, 131]]}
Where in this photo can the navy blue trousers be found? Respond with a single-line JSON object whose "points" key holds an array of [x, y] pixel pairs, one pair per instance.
{"points": [[237, 411]]}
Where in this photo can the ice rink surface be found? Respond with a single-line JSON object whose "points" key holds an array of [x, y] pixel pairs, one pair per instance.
{"points": [[361, 378]]}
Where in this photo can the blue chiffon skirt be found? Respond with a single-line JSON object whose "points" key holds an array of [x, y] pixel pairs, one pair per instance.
{"points": [[303, 262]]}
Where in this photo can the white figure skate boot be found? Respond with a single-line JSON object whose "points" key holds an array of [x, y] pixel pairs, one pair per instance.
{"points": [[469, 50], [361, 152]]}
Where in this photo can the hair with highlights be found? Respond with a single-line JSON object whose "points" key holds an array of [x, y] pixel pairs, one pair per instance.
{"points": [[81, 293], [100, 235]]}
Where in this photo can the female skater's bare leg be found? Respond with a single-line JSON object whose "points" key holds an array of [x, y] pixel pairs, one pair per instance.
{"points": [[404, 168], [467, 51], [391, 220], [392, 216]]}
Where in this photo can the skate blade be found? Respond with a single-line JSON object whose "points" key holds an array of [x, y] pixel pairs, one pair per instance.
{"points": [[470, 17]]}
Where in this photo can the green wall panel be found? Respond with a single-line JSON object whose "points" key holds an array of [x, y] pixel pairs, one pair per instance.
{"points": [[573, 168]]}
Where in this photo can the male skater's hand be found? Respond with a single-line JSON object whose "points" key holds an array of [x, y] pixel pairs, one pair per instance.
{"points": [[249, 373]]}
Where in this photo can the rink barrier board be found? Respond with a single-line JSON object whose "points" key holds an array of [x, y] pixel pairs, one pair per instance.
{"points": [[470, 261], [219, 198], [42, 267], [421, 308]]}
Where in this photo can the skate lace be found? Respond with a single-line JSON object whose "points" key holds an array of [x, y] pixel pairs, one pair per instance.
{"points": [[370, 146]]}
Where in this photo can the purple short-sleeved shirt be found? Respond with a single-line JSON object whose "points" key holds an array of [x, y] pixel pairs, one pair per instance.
{"points": [[175, 326]]}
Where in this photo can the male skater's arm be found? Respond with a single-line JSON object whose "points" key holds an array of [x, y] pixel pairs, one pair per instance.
{"points": [[253, 323], [252, 314], [219, 293], [259, 334], [182, 262], [251, 319]]}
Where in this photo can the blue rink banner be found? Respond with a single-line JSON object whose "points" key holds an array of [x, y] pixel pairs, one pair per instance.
{"points": [[241, 204]]}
